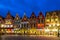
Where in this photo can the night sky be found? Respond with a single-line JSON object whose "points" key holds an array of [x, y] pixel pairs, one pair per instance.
{"points": [[28, 6]]}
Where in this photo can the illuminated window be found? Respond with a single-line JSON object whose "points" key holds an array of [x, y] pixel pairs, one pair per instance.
{"points": [[8, 22], [49, 25], [56, 19], [53, 24], [7, 25], [48, 20], [2, 30], [38, 25], [54, 30], [58, 24], [47, 30], [11, 25], [13, 30], [2, 25], [17, 18], [52, 20]]}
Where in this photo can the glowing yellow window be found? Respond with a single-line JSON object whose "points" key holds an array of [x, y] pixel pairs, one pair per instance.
{"points": [[2, 30], [52, 20], [56, 19], [8, 22], [48, 20], [2, 25]]}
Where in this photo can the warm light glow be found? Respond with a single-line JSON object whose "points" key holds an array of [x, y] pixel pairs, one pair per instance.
{"points": [[7, 25], [48, 20], [12, 31], [30, 31], [58, 24], [15, 32], [54, 30], [17, 18], [2, 30], [11, 25], [2, 25], [8, 22], [53, 24], [8, 30], [40, 25], [50, 25], [47, 30], [56, 19], [16, 29], [52, 20]]}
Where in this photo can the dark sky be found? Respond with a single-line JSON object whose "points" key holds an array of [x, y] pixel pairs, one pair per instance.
{"points": [[28, 6]]}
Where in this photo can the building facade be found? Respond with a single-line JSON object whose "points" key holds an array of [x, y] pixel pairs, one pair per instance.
{"points": [[25, 24], [35, 25], [7, 26], [51, 24], [1, 25], [17, 22], [40, 24]]}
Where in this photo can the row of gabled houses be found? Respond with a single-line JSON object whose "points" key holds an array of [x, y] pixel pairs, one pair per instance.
{"points": [[41, 25], [24, 22]]}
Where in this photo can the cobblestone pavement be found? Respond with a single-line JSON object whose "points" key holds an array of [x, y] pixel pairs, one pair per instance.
{"points": [[28, 37]]}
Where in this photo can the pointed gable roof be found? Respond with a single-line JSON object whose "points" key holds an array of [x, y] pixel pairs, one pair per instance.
{"points": [[17, 17], [40, 15], [24, 18], [33, 16], [8, 16]]}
